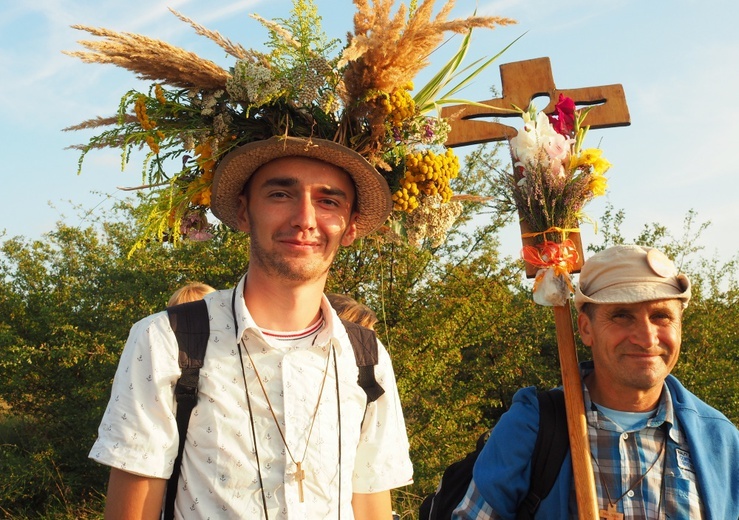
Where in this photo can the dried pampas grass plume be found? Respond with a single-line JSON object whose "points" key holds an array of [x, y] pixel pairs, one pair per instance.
{"points": [[235, 50], [384, 51], [101, 121], [151, 59]]}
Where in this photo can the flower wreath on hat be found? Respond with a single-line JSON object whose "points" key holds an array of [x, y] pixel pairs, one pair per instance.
{"points": [[357, 95]]}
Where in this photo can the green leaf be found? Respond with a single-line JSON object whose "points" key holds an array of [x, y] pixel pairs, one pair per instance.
{"points": [[428, 97]]}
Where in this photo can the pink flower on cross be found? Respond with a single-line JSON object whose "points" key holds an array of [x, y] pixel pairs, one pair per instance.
{"points": [[564, 119]]}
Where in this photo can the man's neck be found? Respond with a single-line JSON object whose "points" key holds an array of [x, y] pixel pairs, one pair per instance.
{"points": [[623, 400], [282, 305]]}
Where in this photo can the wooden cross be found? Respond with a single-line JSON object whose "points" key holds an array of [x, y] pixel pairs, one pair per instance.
{"points": [[300, 477], [611, 514], [523, 81]]}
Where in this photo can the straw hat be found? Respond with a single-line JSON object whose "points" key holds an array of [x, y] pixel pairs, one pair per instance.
{"points": [[630, 274], [373, 195]]}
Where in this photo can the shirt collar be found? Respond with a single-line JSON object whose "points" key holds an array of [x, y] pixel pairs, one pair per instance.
{"points": [[332, 330], [666, 413]]}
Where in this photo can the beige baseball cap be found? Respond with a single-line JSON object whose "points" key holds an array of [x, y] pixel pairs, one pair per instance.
{"points": [[630, 274]]}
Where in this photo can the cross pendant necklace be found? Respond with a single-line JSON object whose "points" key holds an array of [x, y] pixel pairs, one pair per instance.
{"points": [[299, 471], [300, 476], [611, 513]]}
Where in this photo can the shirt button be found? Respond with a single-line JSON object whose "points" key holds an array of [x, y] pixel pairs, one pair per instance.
{"points": [[630, 494]]}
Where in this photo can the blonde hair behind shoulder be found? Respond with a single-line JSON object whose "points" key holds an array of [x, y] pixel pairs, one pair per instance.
{"points": [[189, 293], [351, 310]]}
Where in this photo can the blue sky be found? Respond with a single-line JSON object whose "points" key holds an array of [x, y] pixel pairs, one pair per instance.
{"points": [[677, 62]]}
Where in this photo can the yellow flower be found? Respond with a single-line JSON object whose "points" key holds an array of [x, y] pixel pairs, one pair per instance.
{"points": [[141, 115], [153, 145], [600, 166], [574, 162], [159, 93], [401, 105], [589, 156], [598, 184], [205, 160]]}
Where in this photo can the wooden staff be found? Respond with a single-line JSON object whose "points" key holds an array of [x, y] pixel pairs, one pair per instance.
{"points": [[521, 82], [577, 425]]}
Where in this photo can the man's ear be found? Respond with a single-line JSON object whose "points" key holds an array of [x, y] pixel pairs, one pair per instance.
{"points": [[242, 215], [350, 235], [585, 327]]}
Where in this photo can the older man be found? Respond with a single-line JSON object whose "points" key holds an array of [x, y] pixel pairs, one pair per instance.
{"points": [[281, 430], [658, 450]]}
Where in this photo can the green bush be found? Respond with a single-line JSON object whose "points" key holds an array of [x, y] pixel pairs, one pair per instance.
{"points": [[458, 321]]}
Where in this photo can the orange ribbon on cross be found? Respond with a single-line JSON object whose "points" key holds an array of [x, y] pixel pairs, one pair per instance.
{"points": [[562, 258]]}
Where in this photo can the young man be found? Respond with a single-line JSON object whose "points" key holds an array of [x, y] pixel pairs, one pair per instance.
{"points": [[281, 429], [658, 451]]}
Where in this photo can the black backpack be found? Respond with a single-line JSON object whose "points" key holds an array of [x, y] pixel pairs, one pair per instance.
{"points": [[552, 445], [191, 325]]}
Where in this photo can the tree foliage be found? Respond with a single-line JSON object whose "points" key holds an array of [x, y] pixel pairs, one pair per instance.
{"points": [[67, 302], [458, 321]]}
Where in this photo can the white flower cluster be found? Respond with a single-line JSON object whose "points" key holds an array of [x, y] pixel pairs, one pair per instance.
{"points": [[431, 220], [209, 102], [539, 145], [310, 85], [222, 126], [252, 83], [188, 141]]}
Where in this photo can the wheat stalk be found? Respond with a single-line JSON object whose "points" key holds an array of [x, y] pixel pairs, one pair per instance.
{"points": [[100, 121]]}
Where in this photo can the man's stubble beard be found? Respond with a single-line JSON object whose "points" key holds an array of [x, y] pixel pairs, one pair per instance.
{"points": [[293, 270]]}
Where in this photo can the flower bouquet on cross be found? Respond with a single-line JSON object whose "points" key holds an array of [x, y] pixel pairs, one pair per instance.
{"points": [[553, 178], [357, 94]]}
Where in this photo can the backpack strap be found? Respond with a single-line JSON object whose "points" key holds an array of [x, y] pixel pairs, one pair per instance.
{"points": [[364, 343], [552, 445], [191, 326]]}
